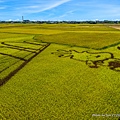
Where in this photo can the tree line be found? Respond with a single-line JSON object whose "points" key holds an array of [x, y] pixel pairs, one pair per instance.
{"points": [[68, 22]]}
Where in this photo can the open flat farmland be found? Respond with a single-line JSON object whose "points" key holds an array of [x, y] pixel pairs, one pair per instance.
{"points": [[59, 72]]}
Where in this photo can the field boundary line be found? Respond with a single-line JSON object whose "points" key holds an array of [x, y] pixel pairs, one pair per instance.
{"points": [[11, 74]]}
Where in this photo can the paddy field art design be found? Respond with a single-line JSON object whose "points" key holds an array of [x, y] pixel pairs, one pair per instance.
{"points": [[79, 81], [92, 59]]}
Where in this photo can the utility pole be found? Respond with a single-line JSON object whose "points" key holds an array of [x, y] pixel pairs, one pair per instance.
{"points": [[22, 18]]}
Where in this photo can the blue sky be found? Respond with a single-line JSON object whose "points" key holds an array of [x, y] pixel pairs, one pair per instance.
{"points": [[60, 9]]}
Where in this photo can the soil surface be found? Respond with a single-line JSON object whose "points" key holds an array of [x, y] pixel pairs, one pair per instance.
{"points": [[116, 27]]}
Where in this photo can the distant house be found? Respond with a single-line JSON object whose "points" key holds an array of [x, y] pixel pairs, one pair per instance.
{"points": [[26, 21]]}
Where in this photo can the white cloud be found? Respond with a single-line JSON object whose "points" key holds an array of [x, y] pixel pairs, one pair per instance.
{"points": [[67, 14], [76, 9], [56, 4], [40, 6]]}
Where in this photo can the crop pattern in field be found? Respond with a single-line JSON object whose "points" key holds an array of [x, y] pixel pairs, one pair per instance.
{"points": [[80, 79], [15, 55], [92, 59]]}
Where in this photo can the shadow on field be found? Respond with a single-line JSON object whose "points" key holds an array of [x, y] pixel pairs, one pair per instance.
{"points": [[92, 59], [33, 52]]}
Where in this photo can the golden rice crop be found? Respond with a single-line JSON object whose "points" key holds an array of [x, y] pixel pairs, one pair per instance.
{"points": [[83, 39], [63, 82]]}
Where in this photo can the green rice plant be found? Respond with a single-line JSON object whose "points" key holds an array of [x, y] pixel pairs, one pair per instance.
{"points": [[30, 31], [14, 52], [8, 68], [52, 29], [83, 39], [71, 27], [63, 82], [10, 36], [78, 27], [25, 45], [50, 87]]}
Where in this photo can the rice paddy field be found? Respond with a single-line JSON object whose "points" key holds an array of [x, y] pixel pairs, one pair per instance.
{"points": [[59, 72]]}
